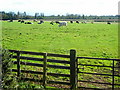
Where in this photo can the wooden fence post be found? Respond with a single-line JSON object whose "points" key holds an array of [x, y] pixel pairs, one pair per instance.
{"points": [[113, 75], [18, 63], [73, 69], [45, 70]]}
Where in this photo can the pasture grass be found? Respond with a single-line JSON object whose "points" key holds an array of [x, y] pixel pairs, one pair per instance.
{"points": [[93, 40]]}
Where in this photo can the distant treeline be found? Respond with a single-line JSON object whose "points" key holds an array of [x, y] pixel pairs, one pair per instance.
{"points": [[19, 15]]}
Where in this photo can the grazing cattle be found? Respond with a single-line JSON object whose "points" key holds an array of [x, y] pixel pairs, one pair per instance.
{"points": [[57, 22], [77, 21], [71, 21], [10, 20], [22, 21], [28, 23], [62, 24], [51, 23], [19, 20], [108, 23], [41, 22]]}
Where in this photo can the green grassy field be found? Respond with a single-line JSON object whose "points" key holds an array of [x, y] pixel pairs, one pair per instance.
{"points": [[95, 40]]}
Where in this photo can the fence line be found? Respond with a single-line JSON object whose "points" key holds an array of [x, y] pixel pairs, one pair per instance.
{"points": [[74, 68]]}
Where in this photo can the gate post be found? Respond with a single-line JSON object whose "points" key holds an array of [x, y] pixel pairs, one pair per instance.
{"points": [[18, 64], [73, 69]]}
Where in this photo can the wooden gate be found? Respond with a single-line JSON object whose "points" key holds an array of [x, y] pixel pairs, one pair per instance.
{"points": [[98, 73], [77, 72]]}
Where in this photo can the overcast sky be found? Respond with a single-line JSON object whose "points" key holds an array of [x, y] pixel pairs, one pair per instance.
{"points": [[55, 7]]}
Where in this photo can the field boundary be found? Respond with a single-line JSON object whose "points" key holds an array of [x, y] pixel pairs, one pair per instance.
{"points": [[74, 67]]}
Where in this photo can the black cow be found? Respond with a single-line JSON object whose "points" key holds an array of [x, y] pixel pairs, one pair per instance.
{"points": [[10, 20], [51, 23], [22, 21], [57, 22], [71, 21], [41, 22], [77, 21], [19, 20], [28, 23], [108, 23]]}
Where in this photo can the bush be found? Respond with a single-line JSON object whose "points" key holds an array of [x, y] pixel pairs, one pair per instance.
{"points": [[9, 80]]}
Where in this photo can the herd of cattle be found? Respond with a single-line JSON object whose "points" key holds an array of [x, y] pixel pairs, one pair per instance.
{"points": [[54, 22]]}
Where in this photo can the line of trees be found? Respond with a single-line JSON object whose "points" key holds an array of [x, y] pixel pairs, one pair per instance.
{"points": [[19, 15]]}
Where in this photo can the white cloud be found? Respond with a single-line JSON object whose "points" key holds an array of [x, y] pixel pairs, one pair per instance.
{"points": [[93, 7]]}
